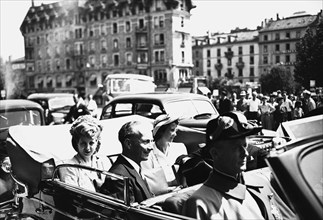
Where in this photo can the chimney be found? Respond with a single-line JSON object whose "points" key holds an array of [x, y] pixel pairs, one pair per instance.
{"points": [[32, 3], [277, 17]]}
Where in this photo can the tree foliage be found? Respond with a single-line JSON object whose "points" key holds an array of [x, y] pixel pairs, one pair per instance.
{"points": [[309, 57], [278, 79]]}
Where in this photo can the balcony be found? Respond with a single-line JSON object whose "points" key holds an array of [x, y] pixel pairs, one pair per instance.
{"points": [[218, 66], [228, 54], [240, 65], [141, 29]]}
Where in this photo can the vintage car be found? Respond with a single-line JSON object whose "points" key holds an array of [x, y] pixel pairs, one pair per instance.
{"points": [[56, 105], [15, 112], [194, 110], [36, 161]]}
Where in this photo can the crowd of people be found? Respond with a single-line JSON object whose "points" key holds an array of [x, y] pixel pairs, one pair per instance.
{"points": [[270, 110]]}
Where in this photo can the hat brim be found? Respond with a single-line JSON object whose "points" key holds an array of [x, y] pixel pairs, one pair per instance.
{"points": [[242, 134], [158, 125]]}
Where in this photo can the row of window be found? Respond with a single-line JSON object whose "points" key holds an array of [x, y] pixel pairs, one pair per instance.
{"points": [[240, 51], [158, 5], [278, 36], [229, 61], [59, 82], [251, 60], [93, 31], [142, 58], [92, 46], [230, 73]]}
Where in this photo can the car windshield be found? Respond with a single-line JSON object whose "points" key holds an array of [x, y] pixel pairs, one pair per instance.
{"points": [[189, 108], [26, 117], [60, 102]]}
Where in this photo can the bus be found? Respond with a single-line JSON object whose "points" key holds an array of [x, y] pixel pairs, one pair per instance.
{"points": [[127, 83]]}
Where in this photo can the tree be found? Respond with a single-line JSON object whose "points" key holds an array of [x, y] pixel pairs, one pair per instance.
{"points": [[278, 79], [309, 57]]}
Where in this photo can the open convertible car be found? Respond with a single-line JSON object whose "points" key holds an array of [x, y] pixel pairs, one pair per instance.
{"points": [[36, 154]]}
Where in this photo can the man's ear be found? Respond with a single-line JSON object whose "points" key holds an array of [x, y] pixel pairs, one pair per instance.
{"points": [[127, 143]]}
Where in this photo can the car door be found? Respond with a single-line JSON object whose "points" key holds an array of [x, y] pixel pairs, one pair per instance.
{"points": [[298, 172]]}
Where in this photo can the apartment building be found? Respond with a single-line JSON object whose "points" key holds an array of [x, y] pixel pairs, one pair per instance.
{"points": [[278, 38], [77, 43], [233, 55]]}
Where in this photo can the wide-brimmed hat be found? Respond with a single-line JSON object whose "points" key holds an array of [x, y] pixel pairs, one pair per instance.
{"points": [[242, 93], [230, 125], [162, 120], [307, 92]]}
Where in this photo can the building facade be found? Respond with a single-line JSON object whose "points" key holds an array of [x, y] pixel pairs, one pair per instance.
{"points": [[278, 38], [76, 44], [233, 55]]}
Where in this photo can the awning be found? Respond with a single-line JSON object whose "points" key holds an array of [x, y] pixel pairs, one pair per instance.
{"points": [[204, 90]]}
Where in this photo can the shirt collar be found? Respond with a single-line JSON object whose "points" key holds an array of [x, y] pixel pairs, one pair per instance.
{"points": [[228, 185], [132, 163]]}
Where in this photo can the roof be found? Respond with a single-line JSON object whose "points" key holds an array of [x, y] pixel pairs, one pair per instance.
{"points": [[48, 95], [288, 23], [129, 76], [18, 104], [159, 96]]}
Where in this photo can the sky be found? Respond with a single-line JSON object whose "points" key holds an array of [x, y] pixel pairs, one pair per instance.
{"points": [[209, 15]]}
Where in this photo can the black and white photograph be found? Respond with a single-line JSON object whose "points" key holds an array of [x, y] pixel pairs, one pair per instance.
{"points": [[161, 109]]}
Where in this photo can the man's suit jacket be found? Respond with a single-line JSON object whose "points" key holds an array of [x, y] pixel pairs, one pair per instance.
{"points": [[138, 189]]}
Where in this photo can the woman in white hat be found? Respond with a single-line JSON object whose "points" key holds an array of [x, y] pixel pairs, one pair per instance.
{"points": [[164, 154]]}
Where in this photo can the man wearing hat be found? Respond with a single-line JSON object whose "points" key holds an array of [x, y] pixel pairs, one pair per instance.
{"points": [[228, 193], [225, 103], [309, 103], [242, 103]]}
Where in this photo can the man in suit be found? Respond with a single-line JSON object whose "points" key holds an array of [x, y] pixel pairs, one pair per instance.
{"points": [[136, 140], [229, 193]]}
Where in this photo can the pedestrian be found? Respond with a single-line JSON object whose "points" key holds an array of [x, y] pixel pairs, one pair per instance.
{"points": [[288, 104], [234, 101], [225, 104], [253, 111], [229, 193], [136, 140], [266, 113], [298, 110], [79, 108], [280, 113], [309, 103], [92, 106], [242, 104]]}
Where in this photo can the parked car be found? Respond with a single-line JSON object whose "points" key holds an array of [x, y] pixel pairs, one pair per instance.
{"points": [[56, 105], [195, 110], [296, 166], [15, 112]]}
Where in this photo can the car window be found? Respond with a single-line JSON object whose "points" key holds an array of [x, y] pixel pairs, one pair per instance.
{"points": [[60, 102], [189, 108], [123, 109], [107, 112], [310, 166], [27, 117], [203, 106], [148, 110]]}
